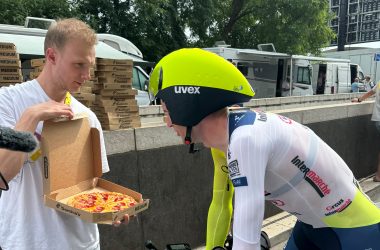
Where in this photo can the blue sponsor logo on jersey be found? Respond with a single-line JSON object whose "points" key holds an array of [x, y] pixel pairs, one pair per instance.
{"points": [[233, 169], [239, 182]]}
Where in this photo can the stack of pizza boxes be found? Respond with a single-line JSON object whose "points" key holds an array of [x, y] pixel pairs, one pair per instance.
{"points": [[115, 104], [84, 95], [36, 66], [73, 166], [10, 65]]}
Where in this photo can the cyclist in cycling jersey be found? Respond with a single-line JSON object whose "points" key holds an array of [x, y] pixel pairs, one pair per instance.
{"points": [[270, 157]]}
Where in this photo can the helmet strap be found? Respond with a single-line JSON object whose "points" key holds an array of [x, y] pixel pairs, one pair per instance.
{"points": [[188, 135], [192, 150]]}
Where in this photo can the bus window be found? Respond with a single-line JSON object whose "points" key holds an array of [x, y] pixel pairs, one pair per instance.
{"points": [[303, 75], [243, 68]]}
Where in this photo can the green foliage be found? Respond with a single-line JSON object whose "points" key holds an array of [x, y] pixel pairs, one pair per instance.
{"points": [[15, 11], [161, 26]]}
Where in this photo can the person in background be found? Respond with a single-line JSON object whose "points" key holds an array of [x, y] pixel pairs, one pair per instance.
{"points": [[25, 222], [368, 84], [375, 118], [355, 86]]}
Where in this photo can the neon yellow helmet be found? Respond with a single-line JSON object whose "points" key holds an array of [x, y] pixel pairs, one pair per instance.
{"points": [[194, 83]]}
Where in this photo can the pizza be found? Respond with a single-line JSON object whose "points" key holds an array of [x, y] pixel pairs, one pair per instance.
{"points": [[102, 202]]}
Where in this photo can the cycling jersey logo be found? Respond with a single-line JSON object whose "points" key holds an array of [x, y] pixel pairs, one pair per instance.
{"points": [[224, 168], [338, 207], [285, 119], [233, 168], [311, 177], [241, 181], [262, 116], [186, 90], [238, 117]]}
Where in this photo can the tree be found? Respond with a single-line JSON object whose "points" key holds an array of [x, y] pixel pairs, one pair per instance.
{"points": [[15, 11], [294, 26], [161, 26]]}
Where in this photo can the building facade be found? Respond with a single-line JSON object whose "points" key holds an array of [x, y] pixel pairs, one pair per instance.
{"points": [[356, 21]]}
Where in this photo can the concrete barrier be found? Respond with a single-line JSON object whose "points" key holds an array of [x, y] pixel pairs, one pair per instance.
{"points": [[153, 161]]}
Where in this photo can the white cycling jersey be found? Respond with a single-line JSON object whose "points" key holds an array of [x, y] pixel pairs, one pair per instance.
{"points": [[275, 158]]}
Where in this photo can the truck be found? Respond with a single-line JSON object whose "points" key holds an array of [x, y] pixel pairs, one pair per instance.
{"points": [[274, 74], [29, 40], [365, 54]]}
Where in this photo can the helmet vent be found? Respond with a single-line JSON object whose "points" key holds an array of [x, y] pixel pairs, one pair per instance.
{"points": [[160, 79]]}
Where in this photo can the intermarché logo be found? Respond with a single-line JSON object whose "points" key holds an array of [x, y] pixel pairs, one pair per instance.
{"points": [[311, 177]]}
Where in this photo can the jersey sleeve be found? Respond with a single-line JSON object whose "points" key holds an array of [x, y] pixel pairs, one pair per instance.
{"points": [[249, 152], [220, 211]]}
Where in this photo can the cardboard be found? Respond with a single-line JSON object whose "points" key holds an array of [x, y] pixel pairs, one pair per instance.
{"points": [[115, 80], [115, 109], [10, 70], [114, 67], [37, 62], [111, 101], [118, 93], [9, 54], [84, 96], [72, 165], [136, 124], [11, 78], [7, 46], [33, 75], [122, 74], [102, 61], [10, 63], [113, 86]]}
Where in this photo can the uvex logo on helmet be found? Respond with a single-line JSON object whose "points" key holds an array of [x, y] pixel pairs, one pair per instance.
{"points": [[186, 90]]}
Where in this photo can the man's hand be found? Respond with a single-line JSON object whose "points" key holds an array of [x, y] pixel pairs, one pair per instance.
{"points": [[124, 221], [49, 110], [356, 99], [42, 112]]}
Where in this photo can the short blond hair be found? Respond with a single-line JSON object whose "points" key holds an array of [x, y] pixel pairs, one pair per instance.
{"points": [[66, 29]]}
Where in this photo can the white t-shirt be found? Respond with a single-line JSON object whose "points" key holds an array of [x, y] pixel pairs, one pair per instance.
{"points": [[376, 105], [25, 222], [271, 157]]}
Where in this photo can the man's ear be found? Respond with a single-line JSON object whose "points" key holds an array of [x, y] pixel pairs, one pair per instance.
{"points": [[51, 55]]}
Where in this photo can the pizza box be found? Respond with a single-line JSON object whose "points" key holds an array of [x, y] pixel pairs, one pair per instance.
{"points": [[11, 78], [10, 70], [72, 165], [7, 46], [10, 63], [37, 62], [124, 62], [11, 54]]}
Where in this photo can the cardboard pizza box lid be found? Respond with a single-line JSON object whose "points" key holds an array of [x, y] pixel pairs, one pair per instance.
{"points": [[71, 153]]}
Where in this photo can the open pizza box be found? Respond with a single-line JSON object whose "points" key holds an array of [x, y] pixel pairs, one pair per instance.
{"points": [[72, 166]]}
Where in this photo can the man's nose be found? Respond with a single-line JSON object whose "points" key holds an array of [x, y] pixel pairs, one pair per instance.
{"points": [[86, 75]]}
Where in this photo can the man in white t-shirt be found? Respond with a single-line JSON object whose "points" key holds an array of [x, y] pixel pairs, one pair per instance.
{"points": [[25, 223], [375, 117]]}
